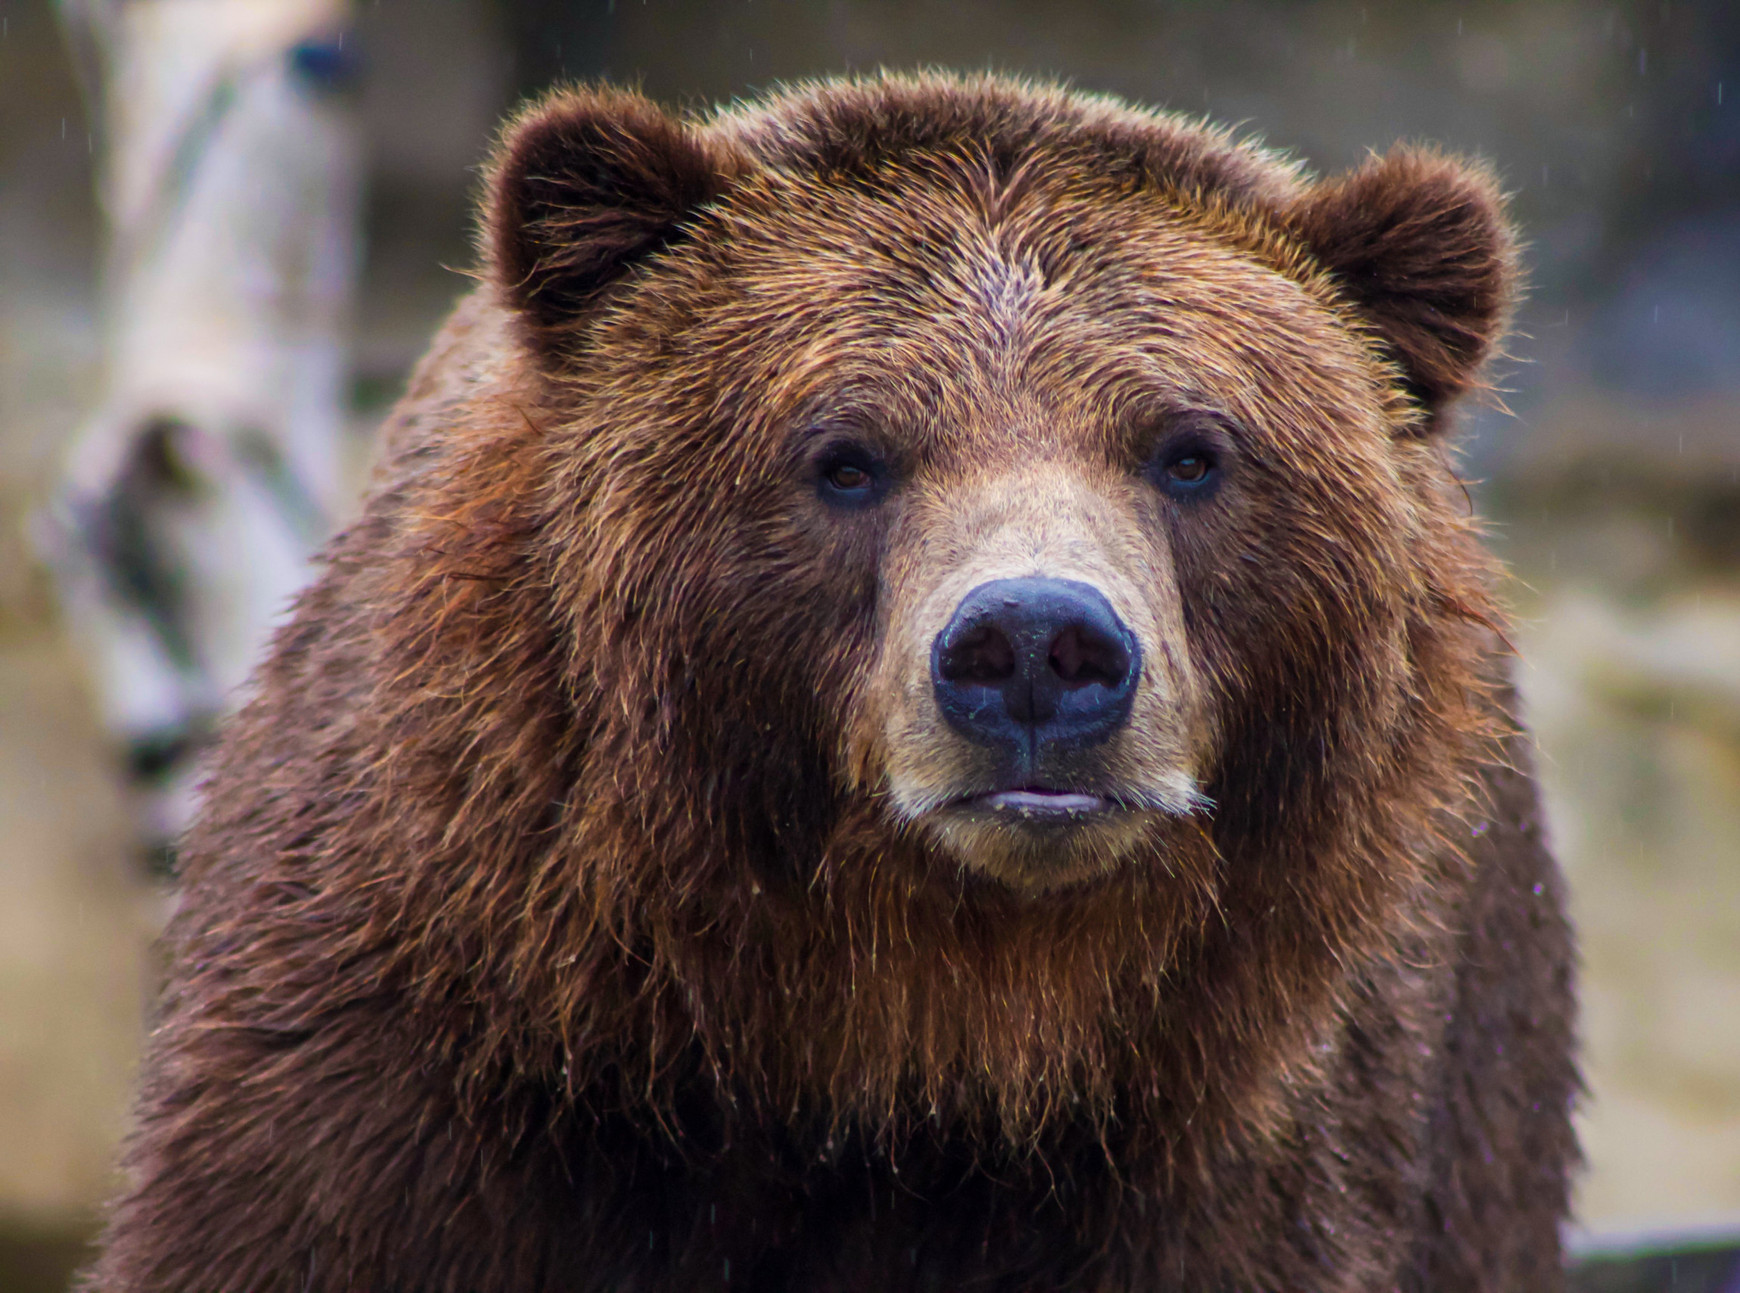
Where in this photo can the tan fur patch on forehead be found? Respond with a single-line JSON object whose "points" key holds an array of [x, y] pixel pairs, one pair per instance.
{"points": [[1008, 151], [984, 284]]}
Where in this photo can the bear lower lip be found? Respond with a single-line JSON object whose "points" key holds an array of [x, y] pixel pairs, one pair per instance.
{"points": [[1043, 805]]}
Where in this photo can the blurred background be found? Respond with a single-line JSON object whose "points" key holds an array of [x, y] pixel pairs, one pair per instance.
{"points": [[228, 227]]}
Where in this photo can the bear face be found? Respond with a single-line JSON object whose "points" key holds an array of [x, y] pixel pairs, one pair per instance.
{"points": [[836, 407], [1011, 364], [1002, 404]]}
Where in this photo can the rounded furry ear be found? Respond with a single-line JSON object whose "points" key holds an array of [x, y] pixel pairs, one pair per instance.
{"points": [[1420, 244], [584, 184]]}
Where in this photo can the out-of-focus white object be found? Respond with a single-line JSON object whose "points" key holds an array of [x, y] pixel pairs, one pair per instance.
{"points": [[195, 494]]}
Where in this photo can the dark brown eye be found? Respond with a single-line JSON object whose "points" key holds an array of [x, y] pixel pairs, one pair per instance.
{"points": [[848, 476], [851, 475], [1192, 450], [1187, 470]]}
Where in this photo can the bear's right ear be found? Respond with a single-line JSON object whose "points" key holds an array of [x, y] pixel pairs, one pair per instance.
{"points": [[585, 184]]}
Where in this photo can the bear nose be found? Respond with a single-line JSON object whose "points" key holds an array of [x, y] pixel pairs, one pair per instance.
{"points": [[1035, 664]]}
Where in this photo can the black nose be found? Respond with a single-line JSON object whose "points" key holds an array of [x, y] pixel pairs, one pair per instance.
{"points": [[1036, 665]]}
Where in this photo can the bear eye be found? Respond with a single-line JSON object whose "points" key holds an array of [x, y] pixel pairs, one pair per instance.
{"points": [[1187, 464], [850, 476], [1188, 470]]}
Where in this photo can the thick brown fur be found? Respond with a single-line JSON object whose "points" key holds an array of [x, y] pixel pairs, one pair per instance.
{"points": [[573, 907]]}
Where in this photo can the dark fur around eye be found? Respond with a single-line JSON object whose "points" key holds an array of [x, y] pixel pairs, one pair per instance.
{"points": [[851, 476], [1189, 457]]}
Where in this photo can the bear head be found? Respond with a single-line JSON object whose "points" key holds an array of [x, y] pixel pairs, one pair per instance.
{"points": [[1023, 630]]}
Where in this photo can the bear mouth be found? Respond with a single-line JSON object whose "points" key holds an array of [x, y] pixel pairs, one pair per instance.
{"points": [[1037, 838], [1041, 805]]}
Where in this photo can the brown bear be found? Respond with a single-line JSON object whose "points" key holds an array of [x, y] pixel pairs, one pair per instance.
{"points": [[916, 705]]}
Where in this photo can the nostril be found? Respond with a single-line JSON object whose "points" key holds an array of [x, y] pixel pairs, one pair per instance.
{"points": [[1081, 657], [983, 654]]}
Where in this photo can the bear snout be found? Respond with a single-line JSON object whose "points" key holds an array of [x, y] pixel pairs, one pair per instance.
{"points": [[1035, 668], [1035, 715]]}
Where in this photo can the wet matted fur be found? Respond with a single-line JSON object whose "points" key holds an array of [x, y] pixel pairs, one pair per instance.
{"points": [[590, 896]]}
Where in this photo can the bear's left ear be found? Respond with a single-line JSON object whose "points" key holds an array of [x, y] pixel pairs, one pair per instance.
{"points": [[1420, 244], [585, 184]]}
